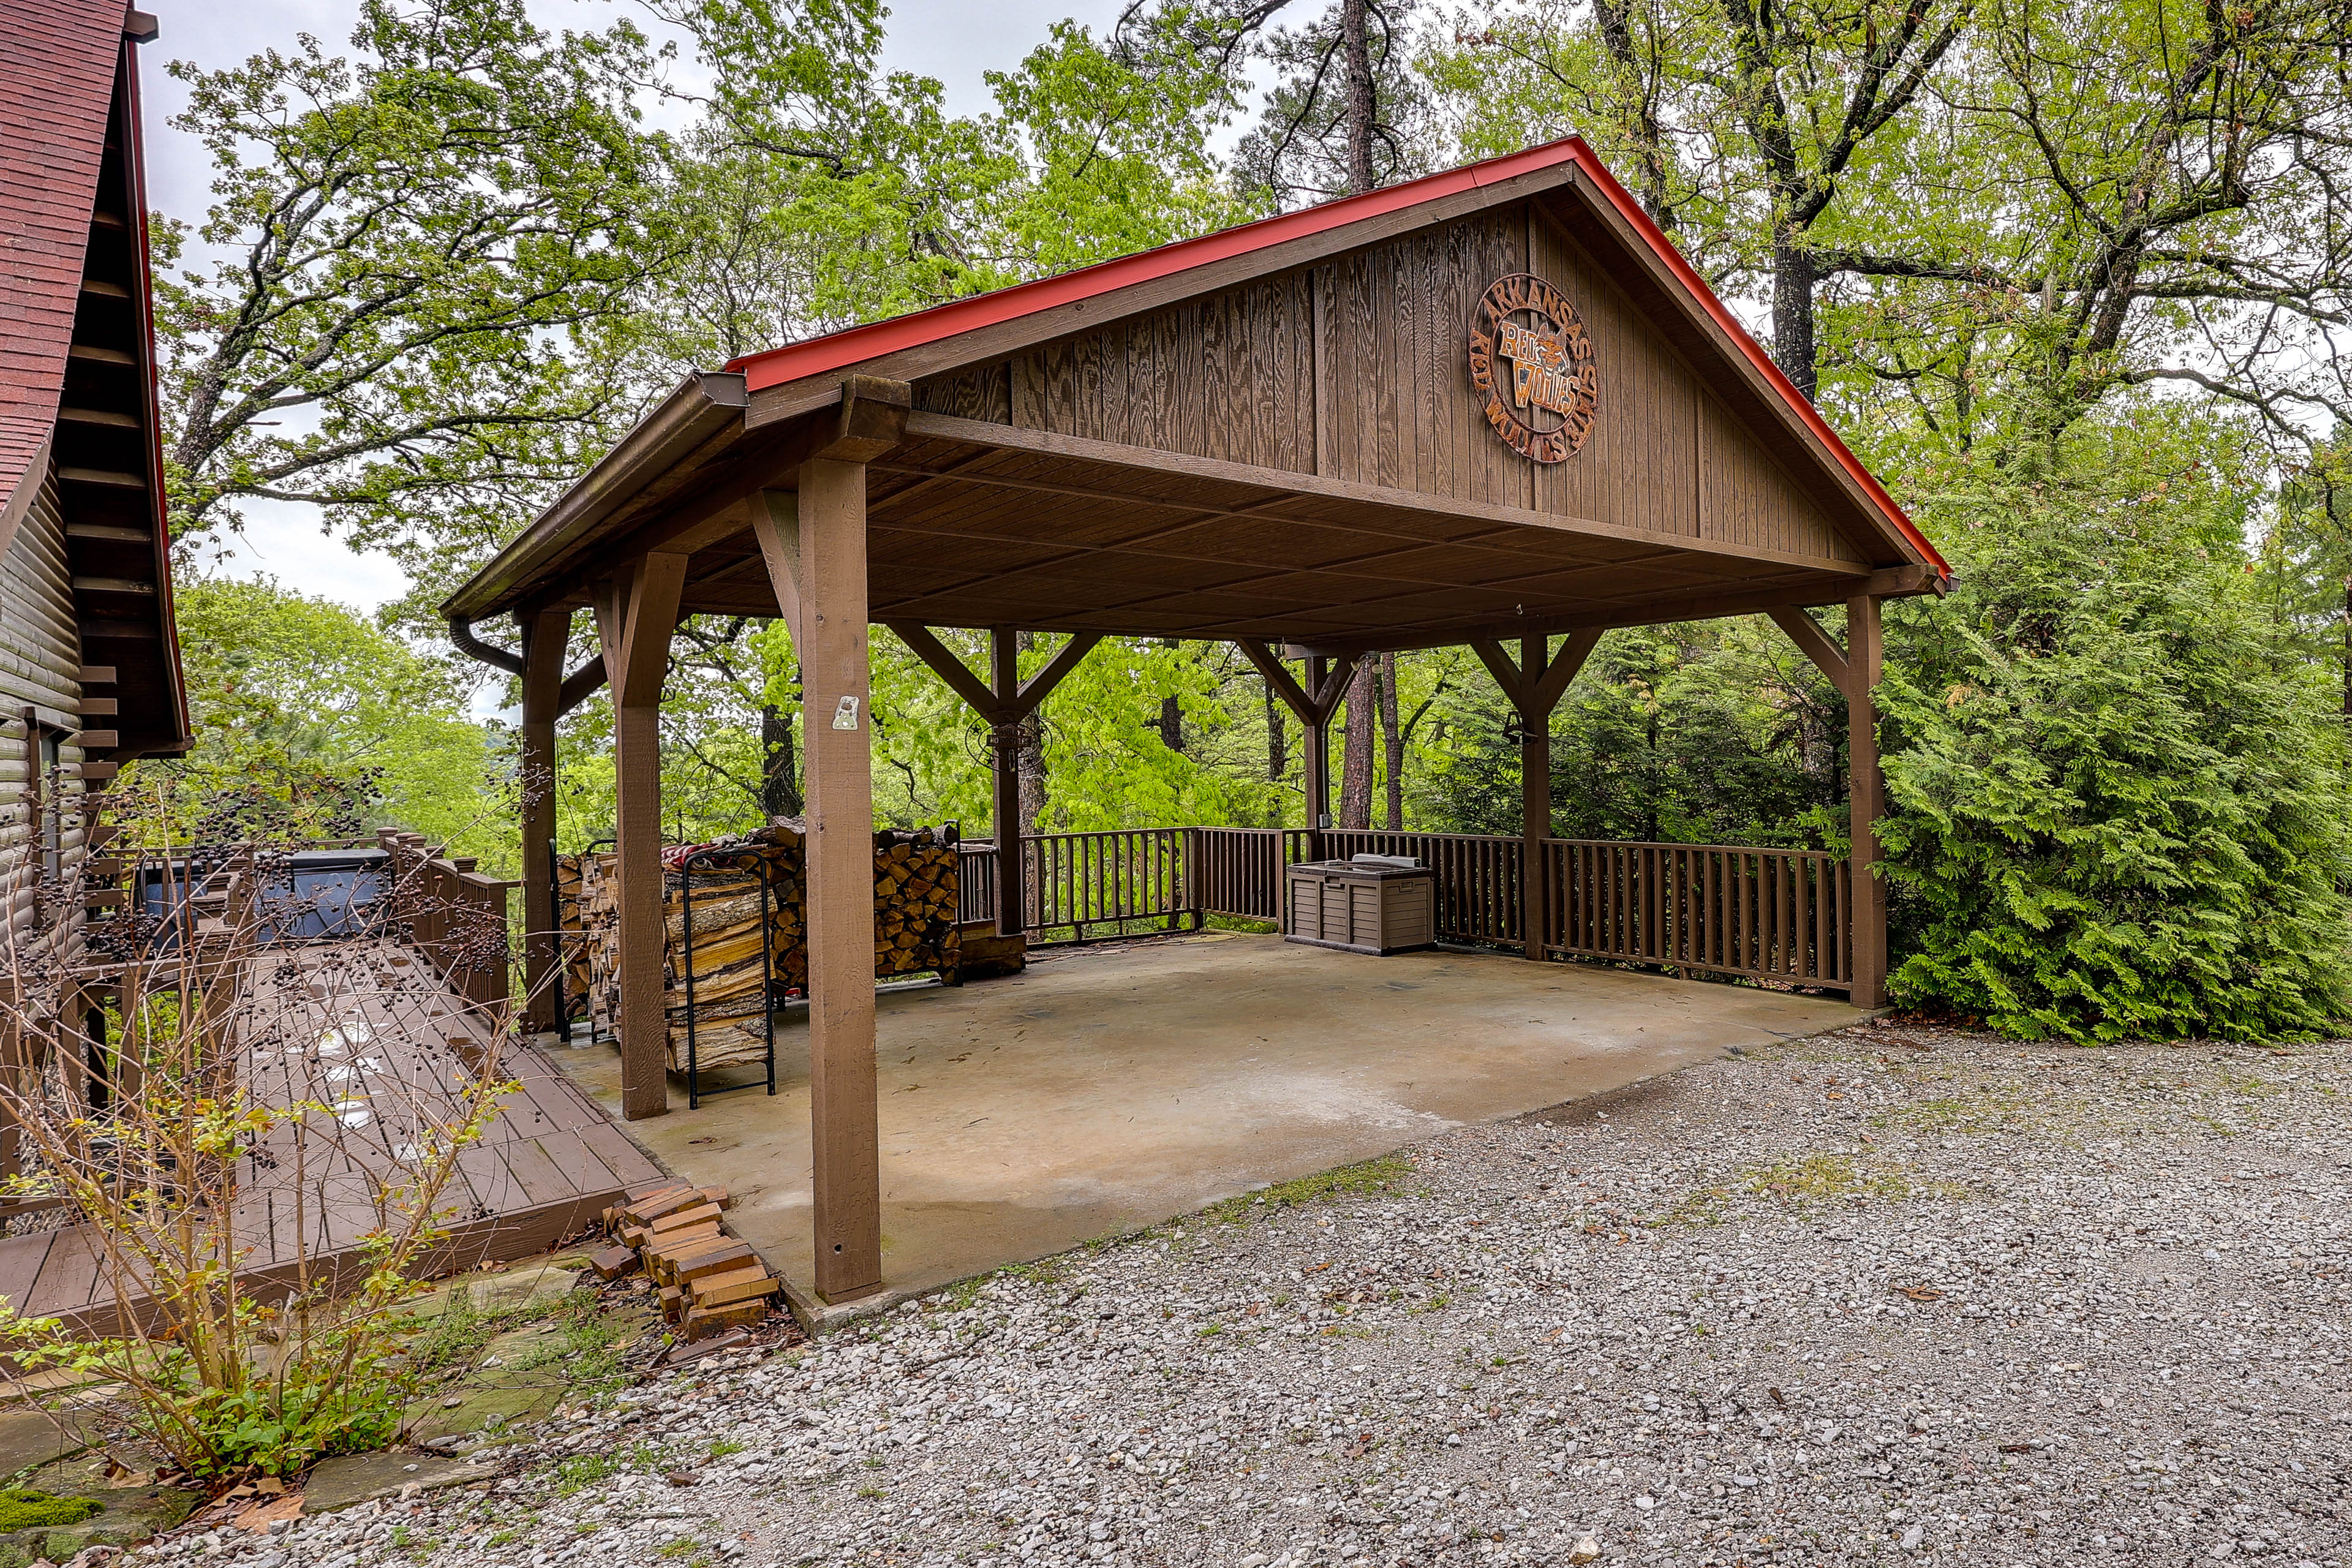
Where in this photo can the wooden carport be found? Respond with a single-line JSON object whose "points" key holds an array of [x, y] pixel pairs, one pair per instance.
{"points": [[1490, 407]]}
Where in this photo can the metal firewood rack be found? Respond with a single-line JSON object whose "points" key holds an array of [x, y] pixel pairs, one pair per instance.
{"points": [[711, 859]]}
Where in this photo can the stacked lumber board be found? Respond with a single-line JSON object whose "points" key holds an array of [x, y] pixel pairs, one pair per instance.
{"points": [[710, 1281], [915, 894]]}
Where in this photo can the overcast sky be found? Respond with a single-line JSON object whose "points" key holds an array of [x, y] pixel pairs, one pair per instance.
{"points": [[953, 40]]}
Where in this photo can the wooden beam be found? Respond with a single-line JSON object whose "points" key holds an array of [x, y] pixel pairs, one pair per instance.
{"points": [[545, 638], [1894, 583], [865, 419], [1500, 664], [826, 571], [957, 675], [1040, 686], [1866, 800], [1153, 467], [775, 522], [1332, 688], [1814, 643], [636, 615], [1535, 798], [579, 685], [1301, 706], [1552, 685], [1314, 766], [1005, 779]]}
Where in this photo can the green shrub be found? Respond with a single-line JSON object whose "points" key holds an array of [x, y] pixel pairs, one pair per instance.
{"points": [[22, 1508], [2117, 808]]}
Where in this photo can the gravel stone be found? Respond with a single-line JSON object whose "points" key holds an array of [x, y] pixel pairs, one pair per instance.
{"points": [[1896, 1294]]}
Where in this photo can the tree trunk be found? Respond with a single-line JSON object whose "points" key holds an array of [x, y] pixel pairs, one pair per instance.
{"points": [[1358, 47], [1794, 275], [779, 787], [1278, 739], [1356, 748], [1032, 754], [1393, 735], [2348, 647]]}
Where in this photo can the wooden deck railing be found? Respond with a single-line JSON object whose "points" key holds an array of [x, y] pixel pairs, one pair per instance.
{"points": [[1075, 880], [1478, 897], [976, 881], [452, 914], [1778, 914], [1237, 871]]}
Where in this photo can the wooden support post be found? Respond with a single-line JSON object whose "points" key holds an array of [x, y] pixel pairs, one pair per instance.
{"points": [[636, 615], [822, 548], [1535, 685], [813, 542], [1535, 798], [544, 635], [1853, 670], [1315, 766], [1004, 804], [1314, 703], [1865, 795], [1005, 702]]}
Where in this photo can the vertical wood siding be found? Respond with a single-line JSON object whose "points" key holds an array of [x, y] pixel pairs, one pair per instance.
{"points": [[1357, 369]]}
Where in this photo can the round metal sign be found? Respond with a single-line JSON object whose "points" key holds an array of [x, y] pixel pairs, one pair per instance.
{"points": [[1531, 361]]}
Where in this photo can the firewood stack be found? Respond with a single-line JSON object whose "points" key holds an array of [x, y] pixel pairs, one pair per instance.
{"points": [[916, 891], [729, 1009], [710, 1281], [600, 927], [571, 872], [915, 894]]}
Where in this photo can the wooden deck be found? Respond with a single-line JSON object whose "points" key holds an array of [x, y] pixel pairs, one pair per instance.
{"points": [[382, 1039]]}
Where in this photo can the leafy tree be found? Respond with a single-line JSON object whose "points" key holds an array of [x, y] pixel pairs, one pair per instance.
{"points": [[1757, 117], [409, 253], [303, 702]]}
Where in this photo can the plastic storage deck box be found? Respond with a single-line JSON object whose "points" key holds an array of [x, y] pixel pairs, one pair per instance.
{"points": [[1373, 903]]}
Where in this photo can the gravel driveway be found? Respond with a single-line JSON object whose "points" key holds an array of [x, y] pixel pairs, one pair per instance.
{"points": [[1888, 1293]]}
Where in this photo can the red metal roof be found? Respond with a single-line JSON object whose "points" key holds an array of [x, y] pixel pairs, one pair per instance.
{"points": [[853, 345], [58, 61]]}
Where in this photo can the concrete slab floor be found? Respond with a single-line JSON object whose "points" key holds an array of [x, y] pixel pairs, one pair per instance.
{"points": [[1104, 1089]]}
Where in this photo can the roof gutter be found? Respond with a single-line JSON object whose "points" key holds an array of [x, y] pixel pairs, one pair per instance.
{"points": [[461, 632], [705, 404]]}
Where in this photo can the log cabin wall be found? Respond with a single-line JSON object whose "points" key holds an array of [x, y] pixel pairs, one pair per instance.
{"points": [[1357, 369], [40, 666]]}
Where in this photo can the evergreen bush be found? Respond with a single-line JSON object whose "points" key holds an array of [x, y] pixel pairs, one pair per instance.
{"points": [[2115, 790]]}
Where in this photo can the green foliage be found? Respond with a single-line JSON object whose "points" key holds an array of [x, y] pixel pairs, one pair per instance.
{"points": [[1708, 734], [328, 724], [23, 1508], [1372, 1178], [415, 249], [2116, 803]]}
